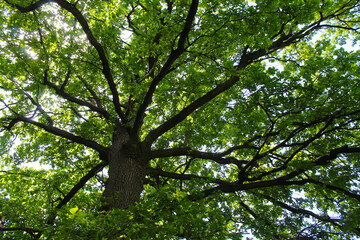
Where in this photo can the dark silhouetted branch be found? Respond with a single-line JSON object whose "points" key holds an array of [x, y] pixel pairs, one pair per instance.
{"points": [[77, 187], [31, 7], [99, 48], [93, 41], [217, 157], [300, 210], [73, 99], [174, 55], [35, 233], [64, 134]]}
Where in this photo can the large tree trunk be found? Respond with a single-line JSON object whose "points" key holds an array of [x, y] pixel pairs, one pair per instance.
{"points": [[126, 173]]}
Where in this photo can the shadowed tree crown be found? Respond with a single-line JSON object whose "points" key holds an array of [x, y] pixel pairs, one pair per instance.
{"points": [[179, 119]]}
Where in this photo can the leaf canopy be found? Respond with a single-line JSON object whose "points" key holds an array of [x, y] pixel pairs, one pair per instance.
{"points": [[250, 110]]}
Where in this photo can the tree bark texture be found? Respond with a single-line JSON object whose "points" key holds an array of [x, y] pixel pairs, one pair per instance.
{"points": [[126, 173]]}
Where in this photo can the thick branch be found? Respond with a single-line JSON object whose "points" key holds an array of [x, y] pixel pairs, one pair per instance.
{"points": [[301, 211], [331, 187], [185, 151], [92, 92], [154, 134], [99, 48], [34, 233], [217, 157], [175, 54], [348, 193], [93, 41], [26, 229], [284, 180], [246, 59], [64, 134], [31, 7], [179, 176], [302, 146], [62, 93], [81, 183], [334, 153], [248, 209], [255, 215], [77, 187], [39, 107]]}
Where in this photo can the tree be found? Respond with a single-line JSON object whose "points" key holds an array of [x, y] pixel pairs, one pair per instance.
{"points": [[180, 119]]}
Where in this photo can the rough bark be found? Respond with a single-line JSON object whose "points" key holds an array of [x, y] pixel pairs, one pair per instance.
{"points": [[126, 173]]}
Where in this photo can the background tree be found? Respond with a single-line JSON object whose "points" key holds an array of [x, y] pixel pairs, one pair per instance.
{"points": [[179, 119]]}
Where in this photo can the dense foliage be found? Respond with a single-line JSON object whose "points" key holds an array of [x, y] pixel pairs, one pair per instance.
{"points": [[245, 115]]}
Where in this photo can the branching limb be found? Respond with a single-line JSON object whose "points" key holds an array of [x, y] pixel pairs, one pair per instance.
{"points": [[328, 186], [66, 197], [36, 233], [155, 172], [327, 121], [33, 101], [174, 55], [246, 59], [301, 211], [255, 215], [217, 157], [155, 133], [93, 41], [302, 146], [338, 189], [66, 80], [93, 93], [285, 180], [81, 183], [64, 134], [99, 48], [38, 107], [130, 22], [78, 186], [31, 7], [62, 93], [220, 157], [334, 153]]}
